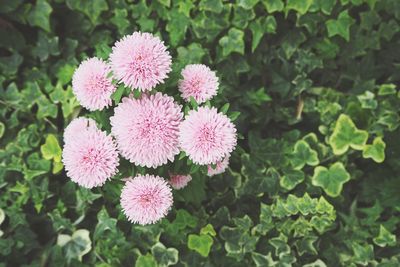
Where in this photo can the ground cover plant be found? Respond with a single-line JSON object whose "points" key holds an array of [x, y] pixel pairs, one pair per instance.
{"points": [[312, 88]]}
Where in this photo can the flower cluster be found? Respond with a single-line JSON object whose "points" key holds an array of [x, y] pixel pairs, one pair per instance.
{"points": [[149, 130]]}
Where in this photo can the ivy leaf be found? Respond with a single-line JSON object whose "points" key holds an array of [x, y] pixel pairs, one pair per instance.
{"points": [[164, 256], [64, 74], [40, 15], [92, 9], [273, 5], [51, 149], [233, 42], [367, 100], [385, 238], [303, 154], [291, 179], [211, 5], [331, 180], [75, 246], [301, 6], [200, 243], [341, 26], [247, 4], [362, 253], [146, 261], [345, 135], [376, 151], [208, 230], [387, 89]]}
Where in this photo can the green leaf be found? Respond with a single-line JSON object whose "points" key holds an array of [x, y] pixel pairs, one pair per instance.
{"points": [[233, 42], [341, 26], [117, 95], [51, 149], [164, 256], [247, 4], [193, 103], [301, 6], [273, 5], [363, 253], [291, 179], [331, 180], [146, 261], [385, 238], [367, 100], [303, 154], [92, 9], [258, 97], [200, 243], [259, 27], [40, 15], [64, 74], [2, 129], [75, 246], [234, 115], [208, 230], [387, 89], [376, 151], [211, 5], [224, 108], [345, 135]]}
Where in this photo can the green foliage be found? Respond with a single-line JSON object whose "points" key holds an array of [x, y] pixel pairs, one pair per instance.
{"points": [[312, 86], [332, 179]]}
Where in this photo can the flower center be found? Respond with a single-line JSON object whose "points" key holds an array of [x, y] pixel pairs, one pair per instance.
{"points": [[97, 83], [92, 158]]}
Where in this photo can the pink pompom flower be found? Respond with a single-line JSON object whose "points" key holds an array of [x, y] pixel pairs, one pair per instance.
{"points": [[146, 199], [207, 136], [147, 129], [89, 155], [220, 167], [140, 60], [78, 125], [91, 84], [179, 181], [199, 82]]}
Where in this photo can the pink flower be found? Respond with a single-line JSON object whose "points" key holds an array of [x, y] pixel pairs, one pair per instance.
{"points": [[89, 155], [91, 84], [219, 168], [140, 61], [76, 126], [146, 199], [199, 82], [179, 181], [207, 136], [147, 129]]}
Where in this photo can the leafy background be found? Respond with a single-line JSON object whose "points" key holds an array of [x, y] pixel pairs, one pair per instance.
{"points": [[313, 182]]}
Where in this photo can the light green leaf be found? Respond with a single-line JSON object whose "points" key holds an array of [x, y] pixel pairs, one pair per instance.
{"points": [[345, 135], [376, 151], [387, 89], [2, 129], [64, 74], [208, 230], [367, 100], [40, 15], [51, 149], [303, 154], [301, 6], [211, 5], [247, 4], [385, 238], [146, 261], [331, 180], [233, 42], [341, 26], [273, 5], [200, 243]]}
